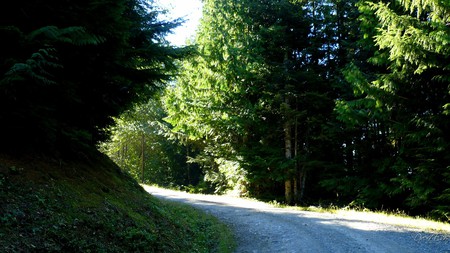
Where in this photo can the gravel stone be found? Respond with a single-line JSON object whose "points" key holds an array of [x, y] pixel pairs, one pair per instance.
{"points": [[261, 228]]}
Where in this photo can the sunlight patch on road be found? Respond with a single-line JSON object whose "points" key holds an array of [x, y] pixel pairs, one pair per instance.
{"points": [[223, 200], [384, 218], [360, 220]]}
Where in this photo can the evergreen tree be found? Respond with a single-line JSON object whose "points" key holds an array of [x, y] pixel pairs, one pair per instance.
{"points": [[203, 105], [363, 179], [259, 91], [68, 66], [402, 102], [416, 36]]}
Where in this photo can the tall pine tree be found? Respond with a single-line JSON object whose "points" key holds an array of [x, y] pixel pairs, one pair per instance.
{"points": [[416, 36], [402, 101], [261, 90]]}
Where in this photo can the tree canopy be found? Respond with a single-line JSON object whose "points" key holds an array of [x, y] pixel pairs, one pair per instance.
{"points": [[306, 102], [68, 66], [327, 101]]}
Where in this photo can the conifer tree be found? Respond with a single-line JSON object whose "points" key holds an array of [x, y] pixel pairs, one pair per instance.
{"points": [[402, 100], [259, 89], [68, 66], [416, 36]]}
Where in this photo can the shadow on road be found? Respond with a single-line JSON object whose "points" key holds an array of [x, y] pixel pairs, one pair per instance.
{"points": [[260, 227]]}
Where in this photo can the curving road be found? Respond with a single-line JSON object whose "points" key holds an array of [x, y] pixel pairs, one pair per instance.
{"points": [[262, 228]]}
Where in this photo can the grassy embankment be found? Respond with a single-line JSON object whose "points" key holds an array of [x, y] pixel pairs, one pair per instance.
{"points": [[51, 206]]}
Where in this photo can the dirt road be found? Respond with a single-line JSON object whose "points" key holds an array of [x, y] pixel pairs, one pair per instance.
{"points": [[262, 228]]}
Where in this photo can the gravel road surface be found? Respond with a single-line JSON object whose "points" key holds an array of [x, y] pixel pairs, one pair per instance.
{"points": [[262, 228]]}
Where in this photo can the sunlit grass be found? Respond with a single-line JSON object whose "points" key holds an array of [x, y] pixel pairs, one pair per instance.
{"points": [[398, 219], [211, 235], [385, 217]]}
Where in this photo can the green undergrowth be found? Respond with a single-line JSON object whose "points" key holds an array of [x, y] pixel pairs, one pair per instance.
{"points": [[91, 206]]}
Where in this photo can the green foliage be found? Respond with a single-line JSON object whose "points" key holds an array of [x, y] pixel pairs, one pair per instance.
{"points": [[261, 65], [416, 38], [211, 234], [81, 209], [67, 67], [346, 100], [349, 98], [142, 132], [71, 35], [399, 106]]}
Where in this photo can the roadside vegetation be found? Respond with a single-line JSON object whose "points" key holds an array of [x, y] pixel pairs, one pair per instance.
{"points": [[387, 217], [53, 206], [398, 218]]}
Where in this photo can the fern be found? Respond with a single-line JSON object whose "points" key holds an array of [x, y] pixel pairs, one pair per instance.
{"points": [[36, 67], [39, 66], [75, 35]]}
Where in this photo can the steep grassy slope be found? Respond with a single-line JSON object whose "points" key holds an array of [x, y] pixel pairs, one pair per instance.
{"points": [[48, 205]]}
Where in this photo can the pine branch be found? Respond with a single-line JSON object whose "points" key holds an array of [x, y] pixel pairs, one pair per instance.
{"points": [[75, 35]]}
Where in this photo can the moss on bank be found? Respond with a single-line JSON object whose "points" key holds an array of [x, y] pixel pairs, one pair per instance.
{"points": [[48, 205]]}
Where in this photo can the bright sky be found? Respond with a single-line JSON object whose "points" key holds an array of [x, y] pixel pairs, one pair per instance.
{"points": [[190, 10]]}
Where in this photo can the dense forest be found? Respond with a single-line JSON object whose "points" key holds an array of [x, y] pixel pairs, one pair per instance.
{"points": [[326, 102], [67, 67], [309, 102]]}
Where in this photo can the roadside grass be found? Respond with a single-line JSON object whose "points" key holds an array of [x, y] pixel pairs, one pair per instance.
{"points": [[92, 206], [396, 218], [212, 234]]}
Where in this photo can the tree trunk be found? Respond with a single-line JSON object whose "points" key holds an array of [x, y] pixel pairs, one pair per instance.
{"points": [[288, 191], [142, 157], [302, 191], [302, 186], [297, 195], [296, 192], [188, 165]]}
